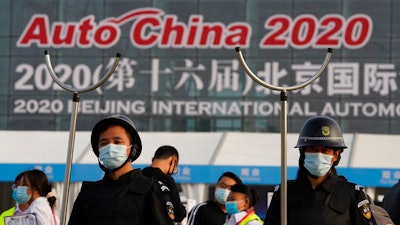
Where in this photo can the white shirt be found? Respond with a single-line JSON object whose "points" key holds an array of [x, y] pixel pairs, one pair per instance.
{"points": [[235, 218], [41, 208], [17, 211]]}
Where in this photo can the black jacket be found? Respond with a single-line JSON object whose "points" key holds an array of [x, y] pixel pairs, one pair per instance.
{"points": [[179, 208], [133, 199], [206, 213], [334, 202], [391, 202]]}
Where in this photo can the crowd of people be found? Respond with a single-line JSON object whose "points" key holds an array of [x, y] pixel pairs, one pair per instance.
{"points": [[149, 196]]}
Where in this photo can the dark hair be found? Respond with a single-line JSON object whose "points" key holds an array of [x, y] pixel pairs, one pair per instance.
{"points": [[165, 152], [19, 177], [38, 181], [103, 127], [231, 175], [248, 192]]}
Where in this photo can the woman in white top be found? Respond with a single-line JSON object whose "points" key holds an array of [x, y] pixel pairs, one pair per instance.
{"points": [[35, 189]]}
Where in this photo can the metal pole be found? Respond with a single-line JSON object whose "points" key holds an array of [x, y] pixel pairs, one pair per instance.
{"points": [[71, 143], [283, 99], [72, 131], [284, 104]]}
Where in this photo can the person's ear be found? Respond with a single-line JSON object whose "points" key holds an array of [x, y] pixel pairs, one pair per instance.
{"points": [[247, 203], [336, 156]]}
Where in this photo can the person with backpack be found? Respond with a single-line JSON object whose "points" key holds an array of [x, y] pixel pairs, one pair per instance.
{"points": [[124, 196], [318, 195], [163, 165]]}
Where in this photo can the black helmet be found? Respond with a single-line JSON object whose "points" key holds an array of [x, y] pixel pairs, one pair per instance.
{"points": [[126, 123], [321, 131]]}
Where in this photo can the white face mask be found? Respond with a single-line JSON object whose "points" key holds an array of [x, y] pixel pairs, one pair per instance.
{"points": [[221, 194], [113, 156], [318, 164]]}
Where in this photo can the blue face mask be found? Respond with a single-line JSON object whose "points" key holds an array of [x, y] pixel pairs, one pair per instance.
{"points": [[232, 207], [318, 164], [221, 194], [20, 194], [113, 156]]}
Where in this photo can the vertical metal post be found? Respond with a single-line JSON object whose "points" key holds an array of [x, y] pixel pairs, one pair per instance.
{"points": [[72, 132], [284, 104], [70, 156], [283, 96]]}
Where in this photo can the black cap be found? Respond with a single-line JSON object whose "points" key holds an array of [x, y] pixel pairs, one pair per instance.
{"points": [[321, 131], [126, 123]]}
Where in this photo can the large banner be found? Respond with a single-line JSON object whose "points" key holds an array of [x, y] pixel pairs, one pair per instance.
{"points": [[179, 71]]}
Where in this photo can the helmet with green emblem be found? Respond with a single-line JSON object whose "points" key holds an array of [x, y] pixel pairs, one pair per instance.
{"points": [[321, 131]]}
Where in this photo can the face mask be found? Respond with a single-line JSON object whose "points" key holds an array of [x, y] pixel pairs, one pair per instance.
{"points": [[232, 207], [318, 164], [20, 194], [112, 156], [221, 195]]}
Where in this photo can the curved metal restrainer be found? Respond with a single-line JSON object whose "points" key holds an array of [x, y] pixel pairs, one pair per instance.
{"points": [[283, 98], [72, 130]]}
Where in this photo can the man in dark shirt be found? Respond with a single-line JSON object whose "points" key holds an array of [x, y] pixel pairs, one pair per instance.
{"points": [[163, 165], [213, 212], [318, 195], [124, 196], [391, 202]]}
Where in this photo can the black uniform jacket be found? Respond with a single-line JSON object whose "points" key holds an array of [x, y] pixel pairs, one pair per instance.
{"points": [[334, 202], [206, 213], [168, 180], [132, 199], [391, 203]]}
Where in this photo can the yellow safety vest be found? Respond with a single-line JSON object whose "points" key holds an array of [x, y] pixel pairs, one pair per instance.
{"points": [[8, 212], [249, 217]]}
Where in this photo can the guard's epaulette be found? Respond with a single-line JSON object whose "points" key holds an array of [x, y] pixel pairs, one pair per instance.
{"points": [[364, 204], [167, 198], [163, 187], [358, 187]]}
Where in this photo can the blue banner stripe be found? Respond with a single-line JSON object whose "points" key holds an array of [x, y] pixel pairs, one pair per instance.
{"points": [[258, 175]]}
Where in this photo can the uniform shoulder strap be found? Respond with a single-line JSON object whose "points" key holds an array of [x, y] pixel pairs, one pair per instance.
{"points": [[166, 198]]}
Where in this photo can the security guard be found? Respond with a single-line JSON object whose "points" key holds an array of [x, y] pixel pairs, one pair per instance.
{"points": [[318, 195], [124, 196], [163, 165]]}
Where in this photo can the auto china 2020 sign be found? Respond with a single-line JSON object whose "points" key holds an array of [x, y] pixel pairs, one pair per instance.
{"points": [[179, 62], [154, 28]]}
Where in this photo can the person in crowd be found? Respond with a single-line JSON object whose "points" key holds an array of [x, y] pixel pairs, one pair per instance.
{"points": [[19, 207], [240, 206], [391, 203], [33, 194], [318, 195], [163, 165], [124, 195], [213, 212]]}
